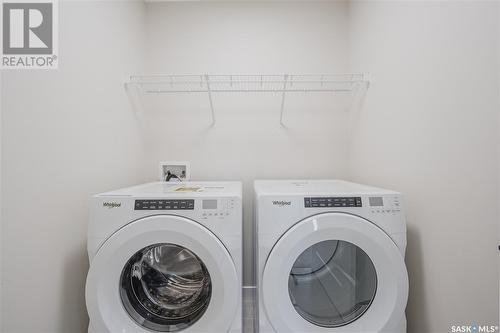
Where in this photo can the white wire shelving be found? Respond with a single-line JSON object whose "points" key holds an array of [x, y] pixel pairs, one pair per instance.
{"points": [[281, 84]]}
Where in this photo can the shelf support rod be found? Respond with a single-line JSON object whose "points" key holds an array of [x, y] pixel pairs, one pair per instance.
{"points": [[209, 91], [285, 80]]}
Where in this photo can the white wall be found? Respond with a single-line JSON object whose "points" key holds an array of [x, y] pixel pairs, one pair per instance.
{"points": [[429, 128], [247, 142], [65, 135]]}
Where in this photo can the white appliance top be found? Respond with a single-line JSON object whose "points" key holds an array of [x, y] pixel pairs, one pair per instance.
{"points": [[315, 187], [184, 189]]}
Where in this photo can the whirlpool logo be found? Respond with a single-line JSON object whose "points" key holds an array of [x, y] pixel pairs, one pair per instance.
{"points": [[111, 204], [281, 203]]}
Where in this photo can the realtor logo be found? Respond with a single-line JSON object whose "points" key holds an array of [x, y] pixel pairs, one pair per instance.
{"points": [[29, 34]]}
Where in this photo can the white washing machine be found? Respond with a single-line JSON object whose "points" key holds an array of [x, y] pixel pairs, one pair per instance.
{"points": [[166, 258], [330, 257]]}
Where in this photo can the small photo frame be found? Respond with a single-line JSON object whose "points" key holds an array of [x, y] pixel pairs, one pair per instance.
{"points": [[174, 171]]}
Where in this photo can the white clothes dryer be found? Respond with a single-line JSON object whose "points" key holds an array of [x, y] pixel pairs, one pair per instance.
{"points": [[330, 257], [166, 258]]}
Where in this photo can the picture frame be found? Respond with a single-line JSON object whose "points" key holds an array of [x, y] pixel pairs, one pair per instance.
{"points": [[174, 171]]}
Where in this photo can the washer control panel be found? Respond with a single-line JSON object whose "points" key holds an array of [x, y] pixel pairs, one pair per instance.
{"points": [[153, 204], [216, 208], [319, 202]]}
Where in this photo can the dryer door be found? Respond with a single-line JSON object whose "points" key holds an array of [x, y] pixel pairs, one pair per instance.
{"points": [[162, 274], [335, 272]]}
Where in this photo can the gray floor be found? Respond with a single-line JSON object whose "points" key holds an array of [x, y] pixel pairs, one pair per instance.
{"points": [[248, 309]]}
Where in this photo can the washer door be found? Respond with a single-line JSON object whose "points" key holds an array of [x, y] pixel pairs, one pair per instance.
{"points": [[334, 272], [163, 274]]}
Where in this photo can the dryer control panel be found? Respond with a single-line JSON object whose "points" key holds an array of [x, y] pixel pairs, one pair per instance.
{"points": [[385, 205], [319, 202]]}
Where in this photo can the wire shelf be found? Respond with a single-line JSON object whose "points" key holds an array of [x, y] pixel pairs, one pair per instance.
{"points": [[285, 83]]}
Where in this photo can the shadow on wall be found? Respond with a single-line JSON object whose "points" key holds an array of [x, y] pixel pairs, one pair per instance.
{"points": [[72, 294], [416, 313]]}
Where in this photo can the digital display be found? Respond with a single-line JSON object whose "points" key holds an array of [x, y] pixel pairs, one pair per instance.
{"points": [[376, 201], [209, 204]]}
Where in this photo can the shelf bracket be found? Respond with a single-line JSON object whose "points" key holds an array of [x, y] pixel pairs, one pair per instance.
{"points": [[209, 91], [134, 96], [285, 80]]}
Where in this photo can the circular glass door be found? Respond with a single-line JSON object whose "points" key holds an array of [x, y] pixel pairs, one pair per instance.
{"points": [[165, 287], [332, 283]]}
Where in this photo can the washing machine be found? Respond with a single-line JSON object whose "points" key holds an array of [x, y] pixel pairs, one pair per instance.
{"points": [[166, 258], [330, 257]]}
